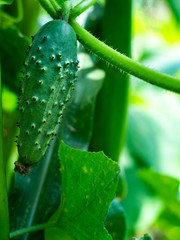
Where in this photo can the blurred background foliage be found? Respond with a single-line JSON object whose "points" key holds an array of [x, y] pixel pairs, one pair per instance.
{"points": [[149, 197]]}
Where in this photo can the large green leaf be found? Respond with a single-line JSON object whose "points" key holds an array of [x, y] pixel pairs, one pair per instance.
{"points": [[56, 234], [89, 182]]}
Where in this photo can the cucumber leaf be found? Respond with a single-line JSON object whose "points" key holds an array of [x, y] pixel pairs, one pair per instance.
{"points": [[55, 233], [116, 221], [89, 181], [165, 186]]}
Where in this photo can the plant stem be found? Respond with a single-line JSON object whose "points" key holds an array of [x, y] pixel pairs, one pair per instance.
{"points": [[47, 6], [4, 210], [55, 5], [81, 7], [31, 229], [111, 112], [20, 11], [122, 62]]}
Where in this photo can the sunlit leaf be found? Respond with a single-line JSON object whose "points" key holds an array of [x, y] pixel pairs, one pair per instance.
{"points": [[89, 182], [165, 186], [56, 234]]}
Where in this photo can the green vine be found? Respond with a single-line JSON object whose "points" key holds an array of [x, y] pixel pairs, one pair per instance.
{"points": [[55, 5], [81, 7], [124, 63], [48, 7], [31, 229]]}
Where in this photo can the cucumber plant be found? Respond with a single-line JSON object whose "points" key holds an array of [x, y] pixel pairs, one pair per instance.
{"points": [[49, 75]]}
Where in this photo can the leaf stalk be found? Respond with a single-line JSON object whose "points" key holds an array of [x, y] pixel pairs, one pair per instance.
{"points": [[31, 229], [81, 7], [48, 7]]}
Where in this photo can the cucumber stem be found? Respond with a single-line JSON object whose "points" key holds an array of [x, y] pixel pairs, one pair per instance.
{"points": [[112, 101], [81, 7], [123, 62], [31, 229], [55, 5], [48, 7]]}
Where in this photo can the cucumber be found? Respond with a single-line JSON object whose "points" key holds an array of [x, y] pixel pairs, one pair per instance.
{"points": [[49, 77]]}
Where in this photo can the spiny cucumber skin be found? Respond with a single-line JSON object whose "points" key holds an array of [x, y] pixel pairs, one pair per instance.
{"points": [[49, 77]]}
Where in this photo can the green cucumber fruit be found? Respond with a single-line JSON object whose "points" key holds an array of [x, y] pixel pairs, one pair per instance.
{"points": [[49, 77]]}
